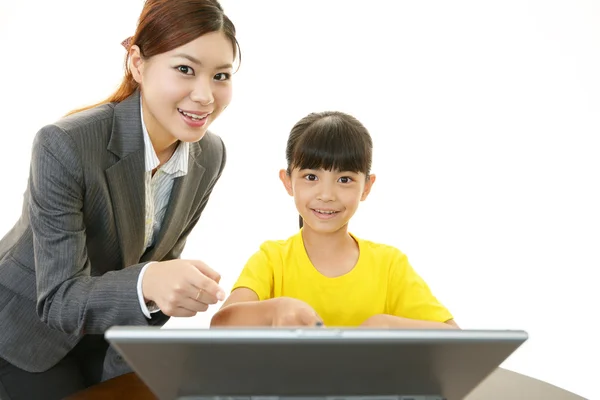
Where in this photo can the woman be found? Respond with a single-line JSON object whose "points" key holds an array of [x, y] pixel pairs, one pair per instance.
{"points": [[114, 191]]}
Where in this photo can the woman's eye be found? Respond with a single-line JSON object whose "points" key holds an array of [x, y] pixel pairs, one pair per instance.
{"points": [[184, 69], [222, 76]]}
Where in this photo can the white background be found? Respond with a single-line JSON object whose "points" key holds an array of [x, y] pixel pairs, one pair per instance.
{"points": [[486, 123]]}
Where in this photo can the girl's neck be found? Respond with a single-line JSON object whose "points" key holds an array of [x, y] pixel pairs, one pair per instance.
{"points": [[332, 254], [327, 241]]}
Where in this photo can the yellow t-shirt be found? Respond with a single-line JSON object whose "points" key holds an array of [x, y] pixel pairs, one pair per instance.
{"points": [[381, 282]]}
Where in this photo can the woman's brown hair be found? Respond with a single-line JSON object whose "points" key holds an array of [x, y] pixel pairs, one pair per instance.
{"points": [[165, 25]]}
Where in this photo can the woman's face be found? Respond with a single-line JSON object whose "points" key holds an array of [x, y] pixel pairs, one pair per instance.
{"points": [[185, 89]]}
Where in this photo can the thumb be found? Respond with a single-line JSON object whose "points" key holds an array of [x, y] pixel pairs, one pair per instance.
{"points": [[206, 270], [310, 319]]}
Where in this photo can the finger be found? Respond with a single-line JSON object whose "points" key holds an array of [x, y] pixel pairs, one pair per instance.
{"points": [[206, 298], [206, 270], [191, 300], [178, 312], [201, 296], [310, 319], [208, 286], [193, 306], [186, 290], [286, 321], [184, 312]]}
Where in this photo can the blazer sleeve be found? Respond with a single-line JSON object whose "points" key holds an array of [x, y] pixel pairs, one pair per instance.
{"points": [[177, 249], [69, 299]]}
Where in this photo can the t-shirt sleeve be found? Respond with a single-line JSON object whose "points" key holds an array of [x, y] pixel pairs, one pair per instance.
{"points": [[409, 295], [257, 274]]}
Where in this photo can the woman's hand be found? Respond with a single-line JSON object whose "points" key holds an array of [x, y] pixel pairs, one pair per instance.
{"points": [[182, 288]]}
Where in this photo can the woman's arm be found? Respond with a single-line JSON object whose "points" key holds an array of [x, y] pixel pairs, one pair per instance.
{"points": [[68, 297]]}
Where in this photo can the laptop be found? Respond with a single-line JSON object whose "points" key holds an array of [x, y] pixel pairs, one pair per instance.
{"points": [[312, 363]]}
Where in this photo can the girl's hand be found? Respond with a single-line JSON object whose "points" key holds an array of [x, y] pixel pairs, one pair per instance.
{"points": [[294, 312]]}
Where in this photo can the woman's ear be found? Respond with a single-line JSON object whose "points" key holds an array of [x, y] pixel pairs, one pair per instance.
{"points": [[368, 185], [136, 63], [286, 179]]}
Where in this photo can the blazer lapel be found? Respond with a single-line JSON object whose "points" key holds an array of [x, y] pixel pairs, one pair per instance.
{"points": [[183, 194], [126, 178]]}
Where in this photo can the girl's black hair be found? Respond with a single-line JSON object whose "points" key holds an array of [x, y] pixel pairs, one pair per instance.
{"points": [[330, 140]]}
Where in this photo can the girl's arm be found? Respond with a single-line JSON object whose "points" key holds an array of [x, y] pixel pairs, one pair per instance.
{"points": [[243, 308], [410, 302], [392, 321]]}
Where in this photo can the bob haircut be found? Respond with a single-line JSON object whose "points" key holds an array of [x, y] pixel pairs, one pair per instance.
{"points": [[330, 140]]}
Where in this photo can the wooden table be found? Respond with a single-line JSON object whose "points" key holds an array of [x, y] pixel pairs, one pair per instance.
{"points": [[501, 385]]}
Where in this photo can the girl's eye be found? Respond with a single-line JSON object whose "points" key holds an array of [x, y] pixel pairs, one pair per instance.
{"points": [[345, 179], [311, 177]]}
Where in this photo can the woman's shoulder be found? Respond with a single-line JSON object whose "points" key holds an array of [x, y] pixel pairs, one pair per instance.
{"points": [[101, 115], [210, 152], [73, 127], [210, 142]]}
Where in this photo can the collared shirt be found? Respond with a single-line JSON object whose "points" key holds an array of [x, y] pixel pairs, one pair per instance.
{"points": [[159, 186], [158, 192]]}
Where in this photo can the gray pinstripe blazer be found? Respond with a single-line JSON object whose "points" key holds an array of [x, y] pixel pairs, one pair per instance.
{"points": [[69, 266]]}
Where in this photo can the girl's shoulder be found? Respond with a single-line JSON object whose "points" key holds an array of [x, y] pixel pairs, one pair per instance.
{"points": [[378, 248], [282, 245]]}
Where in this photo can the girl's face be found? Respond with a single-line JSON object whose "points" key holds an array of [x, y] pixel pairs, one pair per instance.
{"points": [[326, 200], [185, 89]]}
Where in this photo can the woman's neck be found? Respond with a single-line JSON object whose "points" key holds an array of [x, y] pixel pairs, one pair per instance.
{"points": [[164, 144], [164, 153]]}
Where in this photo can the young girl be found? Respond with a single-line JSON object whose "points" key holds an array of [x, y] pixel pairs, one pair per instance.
{"points": [[114, 191], [325, 274]]}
